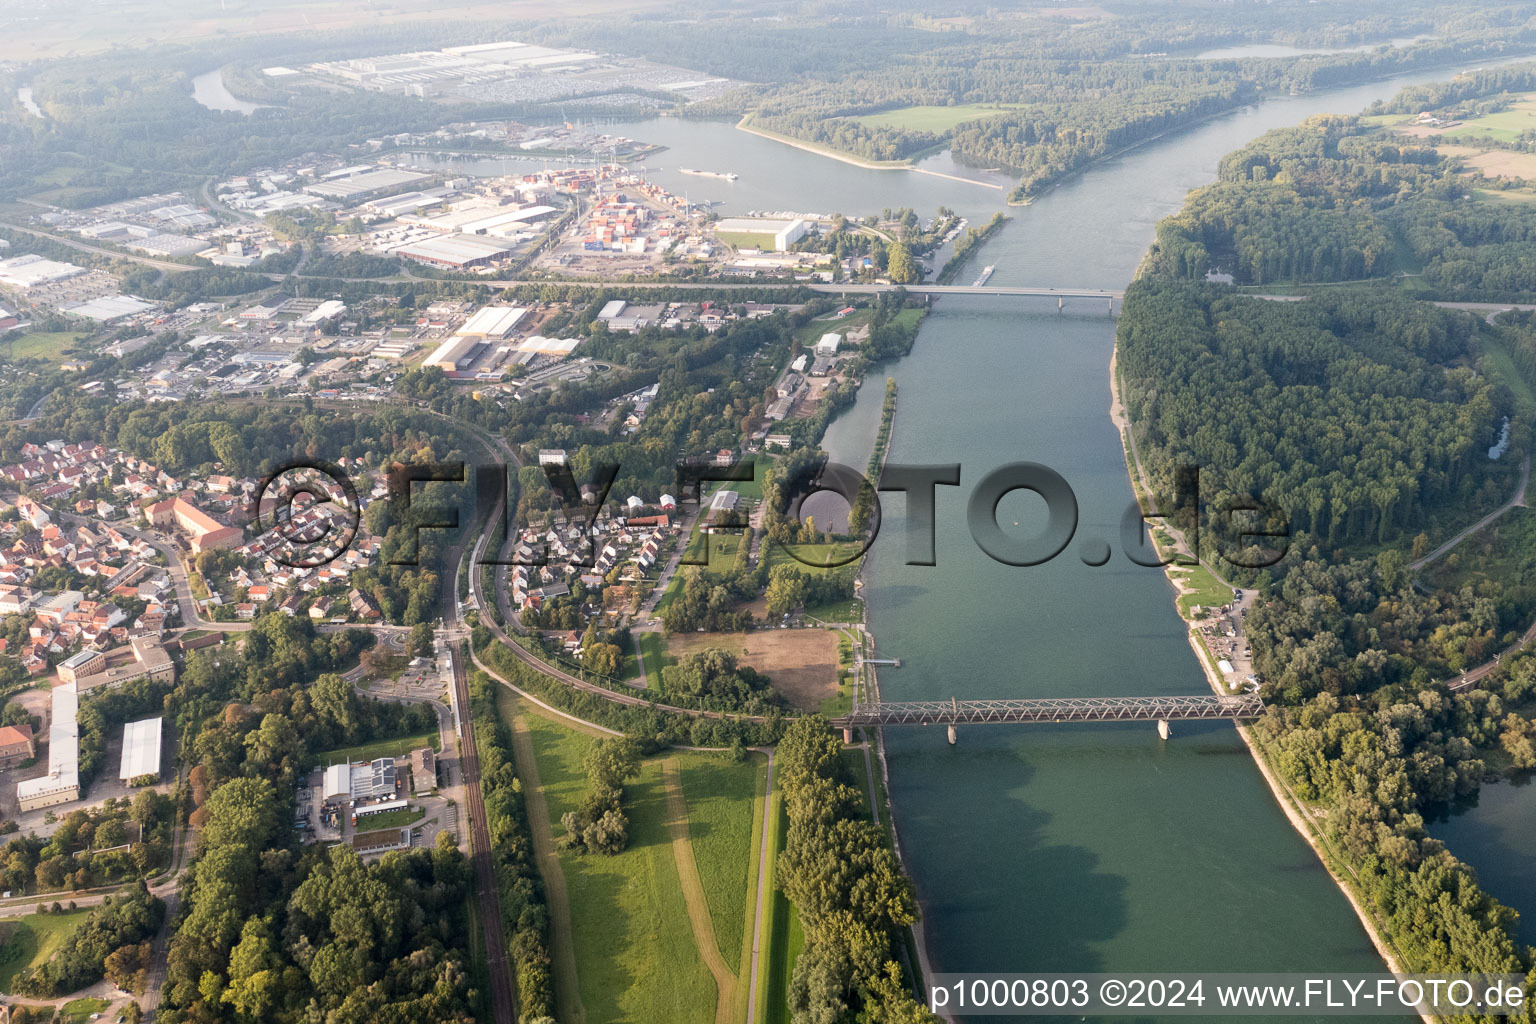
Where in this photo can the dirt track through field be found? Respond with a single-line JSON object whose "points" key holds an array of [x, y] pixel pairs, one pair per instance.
{"points": [[561, 941], [693, 893]]}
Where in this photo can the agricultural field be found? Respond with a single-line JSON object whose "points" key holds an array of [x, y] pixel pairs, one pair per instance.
{"points": [[932, 119], [1505, 125], [1491, 163], [801, 662]]}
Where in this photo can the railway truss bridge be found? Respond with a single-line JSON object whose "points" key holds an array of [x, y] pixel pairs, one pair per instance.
{"points": [[953, 712]]}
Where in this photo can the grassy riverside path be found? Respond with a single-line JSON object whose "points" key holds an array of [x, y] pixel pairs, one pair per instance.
{"points": [[693, 893]]}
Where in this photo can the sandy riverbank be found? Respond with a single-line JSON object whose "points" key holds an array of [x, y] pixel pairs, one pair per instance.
{"points": [[1294, 812]]}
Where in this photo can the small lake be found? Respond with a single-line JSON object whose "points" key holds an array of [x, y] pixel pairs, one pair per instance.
{"points": [[1493, 834], [24, 97], [209, 90]]}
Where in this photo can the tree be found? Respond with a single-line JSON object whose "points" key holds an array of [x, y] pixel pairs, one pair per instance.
{"points": [[900, 267], [786, 590], [421, 640]]}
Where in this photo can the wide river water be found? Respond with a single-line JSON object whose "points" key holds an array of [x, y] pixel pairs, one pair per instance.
{"points": [[1053, 848]]}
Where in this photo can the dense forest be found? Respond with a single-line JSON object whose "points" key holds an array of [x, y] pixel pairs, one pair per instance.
{"points": [[1335, 200], [275, 933], [1354, 414], [1378, 766]]}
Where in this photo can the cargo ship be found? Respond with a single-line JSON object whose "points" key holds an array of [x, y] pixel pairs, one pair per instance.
{"points": [[727, 175], [986, 275]]}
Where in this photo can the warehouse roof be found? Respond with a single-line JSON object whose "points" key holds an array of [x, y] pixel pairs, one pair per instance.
{"points": [[141, 749], [494, 321]]}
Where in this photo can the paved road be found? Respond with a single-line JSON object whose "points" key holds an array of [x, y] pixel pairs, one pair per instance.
{"points": [[1518, 498], [1490, 308], [155, 982]]}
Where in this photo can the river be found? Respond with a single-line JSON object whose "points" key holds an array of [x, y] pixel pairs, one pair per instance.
{"points": [[1041, 848], [208, 89]]}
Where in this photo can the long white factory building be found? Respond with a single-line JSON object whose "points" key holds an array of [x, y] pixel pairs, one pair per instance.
{"points": [[62, 783]]}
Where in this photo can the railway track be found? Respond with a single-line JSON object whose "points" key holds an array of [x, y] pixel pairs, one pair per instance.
{"points": [[503, 996]]}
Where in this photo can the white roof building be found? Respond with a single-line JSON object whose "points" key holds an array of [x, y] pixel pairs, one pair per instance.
{"points": [[31, 270], [326, 310], [62, 783], [493, 322], [452, 353], [141, 749], [828, 344], [338, 783]]}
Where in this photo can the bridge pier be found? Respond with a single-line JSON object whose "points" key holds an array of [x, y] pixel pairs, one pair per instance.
{"points": [[1163, 729], [952, 736], [1060, 303]]}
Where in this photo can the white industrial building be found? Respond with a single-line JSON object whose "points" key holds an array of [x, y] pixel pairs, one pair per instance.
{"points": [[326, 310], [542, 346], [62, 783], [493, 322], [107, 308], [369, 181], [32, 270], [408, 202], [141, 749], [457, 251], [828, 344], [453, 353], [337, 787]]}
